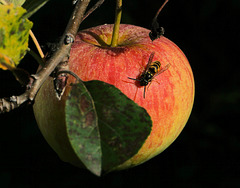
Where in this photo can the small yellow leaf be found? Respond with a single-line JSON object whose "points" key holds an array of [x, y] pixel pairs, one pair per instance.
{"points": [[14, 34]]}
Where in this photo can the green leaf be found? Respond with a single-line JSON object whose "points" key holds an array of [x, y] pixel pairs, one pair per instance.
{"points": [[33, 6], [16, 3], [124, 126], [14, 34], [82, 127], [99, 107]]}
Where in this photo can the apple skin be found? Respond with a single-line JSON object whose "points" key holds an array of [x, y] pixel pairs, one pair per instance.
{"points": [[169, 98]]}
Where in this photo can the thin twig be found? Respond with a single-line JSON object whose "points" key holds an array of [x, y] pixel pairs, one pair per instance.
{"points": [[159, 10], [97, 5], [156, 30], [39, 78]]}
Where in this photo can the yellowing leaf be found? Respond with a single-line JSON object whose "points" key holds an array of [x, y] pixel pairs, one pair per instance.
{"points": [[6, 63], [15, 2], [14, 34]]}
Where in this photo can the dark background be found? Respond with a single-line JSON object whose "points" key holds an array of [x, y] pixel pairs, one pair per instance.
{"points": [[207, 152]]}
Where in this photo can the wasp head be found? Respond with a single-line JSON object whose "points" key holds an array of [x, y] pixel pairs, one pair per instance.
{"points": [[143, 82]]}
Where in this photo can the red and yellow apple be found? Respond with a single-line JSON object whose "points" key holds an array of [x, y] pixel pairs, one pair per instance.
{"points": [[169, 97]]}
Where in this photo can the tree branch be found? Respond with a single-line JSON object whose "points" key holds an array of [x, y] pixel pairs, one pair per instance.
{"points": [[36, 81]]}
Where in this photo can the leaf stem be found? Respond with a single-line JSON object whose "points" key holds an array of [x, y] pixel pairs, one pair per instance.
{"points": [[36, 44], [118, 15]]}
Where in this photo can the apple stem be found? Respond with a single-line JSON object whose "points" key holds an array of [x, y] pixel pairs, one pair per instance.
{"points": [[118, 15]]}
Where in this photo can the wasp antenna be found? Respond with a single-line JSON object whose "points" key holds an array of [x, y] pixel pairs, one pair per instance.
{"points": [[133, 78]]}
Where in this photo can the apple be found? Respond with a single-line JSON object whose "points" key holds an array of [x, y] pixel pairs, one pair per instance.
{"points": [[169, 97]]}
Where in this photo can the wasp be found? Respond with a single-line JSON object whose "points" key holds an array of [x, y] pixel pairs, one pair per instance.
{"points": [[152, 70]]}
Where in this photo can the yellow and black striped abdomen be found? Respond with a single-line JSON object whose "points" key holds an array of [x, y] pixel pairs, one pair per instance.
{"points": [[154, 67]]}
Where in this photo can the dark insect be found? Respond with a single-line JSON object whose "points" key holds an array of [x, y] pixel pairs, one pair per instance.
{"points": [[156, 30], [152, 70]]}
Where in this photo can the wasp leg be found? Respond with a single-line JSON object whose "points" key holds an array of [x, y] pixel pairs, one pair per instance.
{"points": [[144, 92]]}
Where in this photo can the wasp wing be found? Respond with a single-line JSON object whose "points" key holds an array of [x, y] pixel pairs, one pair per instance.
{"points": [[163, 69], [149, 62]]}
